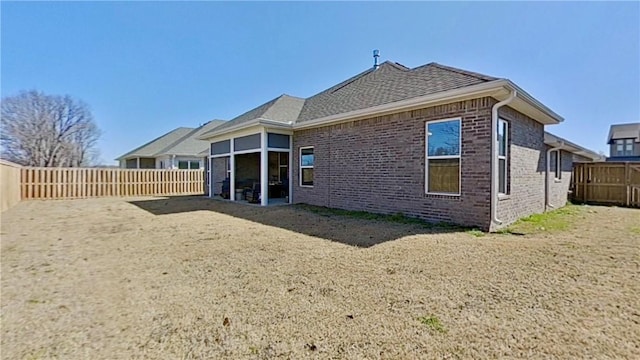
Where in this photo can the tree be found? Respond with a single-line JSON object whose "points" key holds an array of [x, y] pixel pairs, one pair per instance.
{"points": [[47, 130]]}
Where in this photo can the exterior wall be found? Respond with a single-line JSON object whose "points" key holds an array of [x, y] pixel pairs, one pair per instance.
{"points": [[219, 168], [165, 160], [580, 158], [559, 188], [9, 184], [378, 165], [527, 164]]}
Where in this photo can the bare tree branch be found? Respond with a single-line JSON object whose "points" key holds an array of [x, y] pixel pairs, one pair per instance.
{"points": [[47, 130]]}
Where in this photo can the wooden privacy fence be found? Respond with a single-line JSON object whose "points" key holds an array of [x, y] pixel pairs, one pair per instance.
{"points": [[612, 183], [9, 184], [69, 183]]}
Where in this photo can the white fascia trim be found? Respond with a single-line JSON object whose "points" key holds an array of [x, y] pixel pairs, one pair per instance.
{"points": [[248, 124], [533, 101], [484, 89]]}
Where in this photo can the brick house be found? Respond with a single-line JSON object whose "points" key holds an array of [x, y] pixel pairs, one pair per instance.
{"points": [[398, 140]]}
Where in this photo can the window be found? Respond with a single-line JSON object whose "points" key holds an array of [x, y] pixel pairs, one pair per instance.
{"points": [[503, 151], [194, 164], [306, 166], [620, 147], [624, 147], [443, 157], [161, 164], [628, 147], [556, 164]]}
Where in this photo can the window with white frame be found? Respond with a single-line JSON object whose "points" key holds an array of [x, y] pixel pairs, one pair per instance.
{"points": [[503, 156], [306, 166], [628, 147], [188, 165], [442, 170], [556, 164]]}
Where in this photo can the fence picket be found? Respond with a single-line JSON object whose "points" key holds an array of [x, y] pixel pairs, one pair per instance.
{"points": [[67, 183]]}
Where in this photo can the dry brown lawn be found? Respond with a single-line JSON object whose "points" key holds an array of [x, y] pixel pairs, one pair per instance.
{"points": [[195, 278]]}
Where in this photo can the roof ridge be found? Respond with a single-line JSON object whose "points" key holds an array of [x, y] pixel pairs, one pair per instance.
{"points": [[460, 71], [366, 72], [396, 65], [344, 83], [291, 96]]}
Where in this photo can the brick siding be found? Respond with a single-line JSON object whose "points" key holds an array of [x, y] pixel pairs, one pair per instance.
{"points": [[378, 165], [219, 173], [527, 162], [559, 188]]}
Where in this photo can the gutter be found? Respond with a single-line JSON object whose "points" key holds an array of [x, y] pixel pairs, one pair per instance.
{"points": [[494, 156], [547, 188]]}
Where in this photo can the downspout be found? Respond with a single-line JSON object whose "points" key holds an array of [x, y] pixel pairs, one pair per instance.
{"points": [[494, 157], [547, 188]]}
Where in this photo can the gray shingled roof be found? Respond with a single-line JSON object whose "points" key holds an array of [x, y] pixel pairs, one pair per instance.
{"points": [[190, 145], [624, 131], [284, 108], [389, 83], [156, 145]]}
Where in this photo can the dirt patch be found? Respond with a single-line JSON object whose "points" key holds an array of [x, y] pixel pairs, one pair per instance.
{"points": [[195, 278]]}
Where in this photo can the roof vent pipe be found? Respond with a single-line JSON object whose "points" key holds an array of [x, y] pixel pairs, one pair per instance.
{"points": [[376, 55]]}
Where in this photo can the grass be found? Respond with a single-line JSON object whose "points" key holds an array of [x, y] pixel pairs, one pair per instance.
{"points": [[433, 323], [297, 285], [398, 218], [551, 221], [635, 230], [476, 233]]}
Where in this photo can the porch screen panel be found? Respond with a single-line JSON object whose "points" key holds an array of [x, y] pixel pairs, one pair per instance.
{"points": [[278, 141], [221, 147], [247, 142]]}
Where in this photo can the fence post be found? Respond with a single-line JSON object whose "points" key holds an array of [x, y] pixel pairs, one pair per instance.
{"points": [[627, 181]]}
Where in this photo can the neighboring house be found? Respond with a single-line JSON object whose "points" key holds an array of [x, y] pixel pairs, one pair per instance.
{"points": [[624, 142], [180, 148], [434, 142]]}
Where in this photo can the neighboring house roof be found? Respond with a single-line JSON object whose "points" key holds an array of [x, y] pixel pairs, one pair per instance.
{"points": [[564, 144], [190, 145], [182, 141], [389, 83], [284, 109], [390, 88], [624, 131], [158, 144]]}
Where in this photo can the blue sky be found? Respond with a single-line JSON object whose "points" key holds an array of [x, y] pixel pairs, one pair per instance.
{"points": [[148, 67]]}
